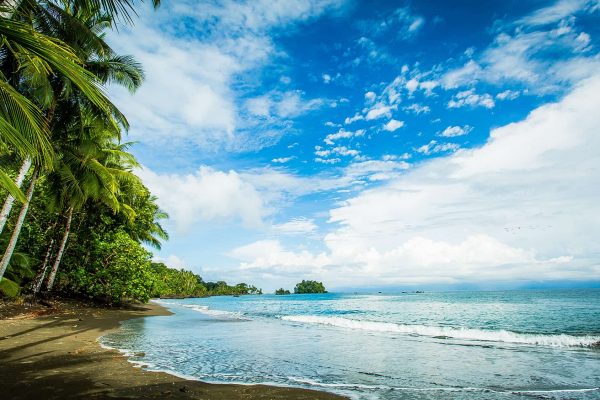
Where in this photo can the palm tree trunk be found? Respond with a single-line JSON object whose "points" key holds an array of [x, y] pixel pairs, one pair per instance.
{"points": [[15, 235], [39, 278], [8, 203], [61, 250]]}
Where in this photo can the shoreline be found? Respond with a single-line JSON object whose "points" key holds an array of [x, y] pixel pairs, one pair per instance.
{"points": [[59, 355]]}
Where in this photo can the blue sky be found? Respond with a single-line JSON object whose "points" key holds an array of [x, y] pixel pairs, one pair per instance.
{"points": [[383, 143]]}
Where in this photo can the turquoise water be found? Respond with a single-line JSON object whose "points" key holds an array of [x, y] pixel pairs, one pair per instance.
{"points": [[537, 344]]}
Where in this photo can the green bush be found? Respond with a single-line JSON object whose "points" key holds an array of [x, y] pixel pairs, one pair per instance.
{"points": [[119, 271]]}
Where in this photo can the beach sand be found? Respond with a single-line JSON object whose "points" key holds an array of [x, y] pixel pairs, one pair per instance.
{"points": [[54, 354]]}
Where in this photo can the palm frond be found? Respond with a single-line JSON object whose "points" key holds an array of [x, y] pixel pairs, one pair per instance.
{"points": [[7, 183], [29, 133], [21, 37]]}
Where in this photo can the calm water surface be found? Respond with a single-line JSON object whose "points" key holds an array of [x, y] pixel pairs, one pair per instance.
{"points": [[454, 345]]}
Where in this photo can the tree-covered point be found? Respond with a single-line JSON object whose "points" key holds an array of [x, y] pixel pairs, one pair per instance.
{"points": [[174, 283], [305, 287], [282, 291]]}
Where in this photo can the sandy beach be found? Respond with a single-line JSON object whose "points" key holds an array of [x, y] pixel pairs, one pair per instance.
{"points": [[54, 354]]}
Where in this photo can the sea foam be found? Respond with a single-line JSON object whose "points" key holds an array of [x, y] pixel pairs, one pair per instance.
{"points": [[561, 340], [214, 313]]}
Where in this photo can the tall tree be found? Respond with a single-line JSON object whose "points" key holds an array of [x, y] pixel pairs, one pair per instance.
{"points": [[84, 30], [89, 168]]}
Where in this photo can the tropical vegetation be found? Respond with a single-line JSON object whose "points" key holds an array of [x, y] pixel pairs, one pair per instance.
{"points": [[173, 283], [76, 220], [306, 287]]}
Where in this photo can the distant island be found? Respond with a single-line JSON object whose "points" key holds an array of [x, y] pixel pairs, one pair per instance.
{"points": [[306, 287]]}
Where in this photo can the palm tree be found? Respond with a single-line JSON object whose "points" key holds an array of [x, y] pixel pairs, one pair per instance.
{"points": [[23, 127], [82, 29], [90, 168], [10, 199], [20, 219]]}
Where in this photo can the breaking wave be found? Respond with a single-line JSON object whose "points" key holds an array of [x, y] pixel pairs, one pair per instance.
{"points": [[561, 340]]}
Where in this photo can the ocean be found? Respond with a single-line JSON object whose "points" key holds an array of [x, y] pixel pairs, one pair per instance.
{"points": [[538, 344]]}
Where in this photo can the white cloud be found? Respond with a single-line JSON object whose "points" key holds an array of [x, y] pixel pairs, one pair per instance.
{"points": [[375, 170], [185, 101], [356, 117], [296, 226], [344, 151], [382, 105], [259, 15], [379, 111], [411, 85], [428, 86], [291, 104], [472, 99], [202, 100], [508, 95], [282, 160], [519, 54], [402, 22], [418, 109], [370, 96], [584, 41], [461, 76], [393, 124], [554, 13], [207, 195], [260, 106], [269, 255], [326, 78], [322, 152], [434, 147], [327, 160], [522, 207], [342, 134], [453, 131]]}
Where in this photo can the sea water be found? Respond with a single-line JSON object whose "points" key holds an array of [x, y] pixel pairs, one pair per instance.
{"points": [[540, 344]]}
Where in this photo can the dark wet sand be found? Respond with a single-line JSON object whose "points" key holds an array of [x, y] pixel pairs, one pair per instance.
{"points": [[57, 356]]}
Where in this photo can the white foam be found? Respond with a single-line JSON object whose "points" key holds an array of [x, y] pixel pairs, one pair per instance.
{"points": [[312, 382], [561, 340], [557, 391], [215, 313]]}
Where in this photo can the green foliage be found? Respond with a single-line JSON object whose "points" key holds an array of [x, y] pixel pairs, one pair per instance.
{"points": [[282, 291], [120, 270], [221, 288], [305, 287], [9, 289], [173, 283]]}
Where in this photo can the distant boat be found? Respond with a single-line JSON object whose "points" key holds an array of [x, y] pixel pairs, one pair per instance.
{"points": [[236, 295]]}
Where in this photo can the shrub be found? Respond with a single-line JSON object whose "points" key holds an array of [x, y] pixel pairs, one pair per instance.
{"points": [[120, 271]]}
